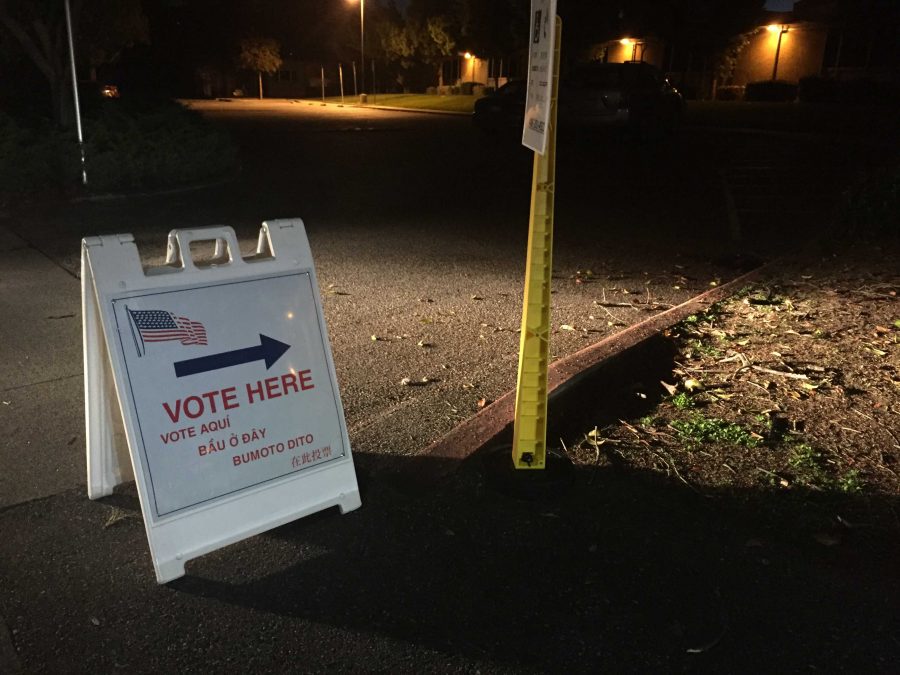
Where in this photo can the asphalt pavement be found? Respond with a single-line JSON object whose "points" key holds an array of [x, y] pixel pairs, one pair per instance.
{"points": [[418, 228]]}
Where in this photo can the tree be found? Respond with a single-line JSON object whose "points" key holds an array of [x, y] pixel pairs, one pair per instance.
{"points": [[39, 29], [262, 55], [414, 41]]}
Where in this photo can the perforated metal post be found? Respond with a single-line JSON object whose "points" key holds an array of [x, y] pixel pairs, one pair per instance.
{"points": [[530, 426]]}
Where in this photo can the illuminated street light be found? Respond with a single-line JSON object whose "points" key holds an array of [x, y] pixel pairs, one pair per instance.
{"points": [[634, 44], [470, 57], [781, 30]]}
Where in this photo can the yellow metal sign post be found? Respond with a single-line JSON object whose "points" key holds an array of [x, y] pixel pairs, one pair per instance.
{"points": [[529, 449]]}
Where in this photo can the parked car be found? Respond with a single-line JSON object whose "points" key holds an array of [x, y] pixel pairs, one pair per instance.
{"points": [[596, 95]]}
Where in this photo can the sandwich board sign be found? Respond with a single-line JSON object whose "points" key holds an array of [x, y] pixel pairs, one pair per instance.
{"points": [[223, 379], [541, 54]]}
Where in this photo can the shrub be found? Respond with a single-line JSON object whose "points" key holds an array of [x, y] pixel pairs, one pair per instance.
{"points": [[730, 93], [35, 160], [771, 91], [468, 88], [166, 146], [127, 148]]}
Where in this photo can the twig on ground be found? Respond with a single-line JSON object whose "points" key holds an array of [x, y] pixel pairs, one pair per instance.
{"points": [[670, 464], [604, 304], [769, 371]]}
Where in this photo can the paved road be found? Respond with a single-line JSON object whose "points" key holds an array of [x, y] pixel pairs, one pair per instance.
{"points": [[418, 227]]}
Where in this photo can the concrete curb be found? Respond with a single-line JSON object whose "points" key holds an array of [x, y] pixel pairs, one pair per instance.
{"points": [[484, 427]]}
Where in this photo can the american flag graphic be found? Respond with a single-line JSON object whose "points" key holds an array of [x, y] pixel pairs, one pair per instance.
{"points": [[158, 325]]}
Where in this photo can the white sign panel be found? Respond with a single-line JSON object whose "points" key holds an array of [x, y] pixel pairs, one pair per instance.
{"points": [[226, 386], [230, 387], [540, 74]]}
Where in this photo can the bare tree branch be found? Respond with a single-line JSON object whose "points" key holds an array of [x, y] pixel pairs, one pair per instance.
{"points": [[27, 43]]}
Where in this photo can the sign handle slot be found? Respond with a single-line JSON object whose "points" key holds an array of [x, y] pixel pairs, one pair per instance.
{"points": [[226, 250]]}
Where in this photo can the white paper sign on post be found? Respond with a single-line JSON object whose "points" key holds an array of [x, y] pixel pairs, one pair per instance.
{"points": [[540, 74], [226, 388]]}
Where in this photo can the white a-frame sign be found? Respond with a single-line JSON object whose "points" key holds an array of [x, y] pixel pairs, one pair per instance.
{"points": [[225, 384]]}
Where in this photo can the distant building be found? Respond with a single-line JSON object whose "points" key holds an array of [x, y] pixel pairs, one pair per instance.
{"points": [[783, 49], [813, 39]]}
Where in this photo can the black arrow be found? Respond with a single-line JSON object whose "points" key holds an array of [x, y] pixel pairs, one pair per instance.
{"points": [[268, 350]]}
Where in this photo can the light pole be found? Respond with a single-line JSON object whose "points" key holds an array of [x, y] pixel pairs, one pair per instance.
{"points": [[781, 30], [362, 44]]}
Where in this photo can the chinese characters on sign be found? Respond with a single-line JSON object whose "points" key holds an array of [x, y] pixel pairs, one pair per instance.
{"points": [[226, 387], [540, 74]]}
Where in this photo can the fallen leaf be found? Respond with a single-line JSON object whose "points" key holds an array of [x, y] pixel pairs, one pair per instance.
{"points": [[897, 323], [566, 326], [721, 395], [881, 330], [423, 344], [670, 388], [690, 384], [477, 297], [481, 402]]}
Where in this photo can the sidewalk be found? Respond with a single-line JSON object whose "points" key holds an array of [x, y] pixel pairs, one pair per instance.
{"points": [[41, 386]]}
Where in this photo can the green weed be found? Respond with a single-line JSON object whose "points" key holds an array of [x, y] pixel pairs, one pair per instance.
{"points": [[850, 482], [699, 429], [701, 347], [809, 465], [683, 401]]}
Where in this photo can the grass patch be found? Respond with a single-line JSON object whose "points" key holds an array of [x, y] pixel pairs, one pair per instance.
{"points": [[699, 429], [448, 103]]}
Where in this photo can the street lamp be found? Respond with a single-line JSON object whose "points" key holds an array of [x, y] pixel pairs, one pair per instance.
{"points": [[362, 43], [470, 57], [781, 30]]}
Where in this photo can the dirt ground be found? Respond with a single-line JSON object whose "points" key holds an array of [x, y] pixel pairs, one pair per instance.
{"points": [[788, 393]]}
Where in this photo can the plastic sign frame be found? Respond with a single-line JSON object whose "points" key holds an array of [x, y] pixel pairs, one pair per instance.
{"points": [[541, 55], [228, 413]]}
